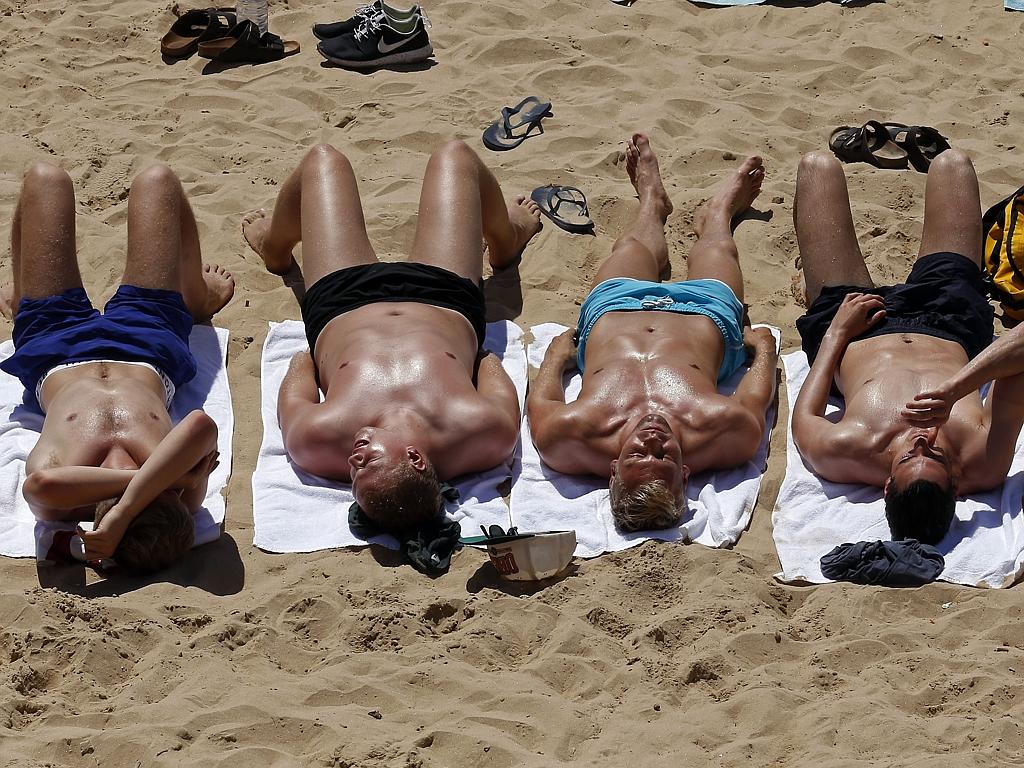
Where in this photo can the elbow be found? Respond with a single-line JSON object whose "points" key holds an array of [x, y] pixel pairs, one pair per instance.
{"points": [[202, 427], [37, 486]]}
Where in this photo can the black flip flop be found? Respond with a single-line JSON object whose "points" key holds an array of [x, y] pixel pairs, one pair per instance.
{"points": [[244, 43], [508, 131], [195, 27], [566, 206], [871, 143], [921, 142]]}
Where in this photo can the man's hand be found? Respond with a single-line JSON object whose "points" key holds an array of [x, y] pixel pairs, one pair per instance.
{"points": [[202, 469], [563, 349], [857, 313], [102, 542], [756, 337], [931, 408]]}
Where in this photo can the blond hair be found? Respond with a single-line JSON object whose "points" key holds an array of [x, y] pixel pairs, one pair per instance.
{"points": [[646, 507], [159, 536]]}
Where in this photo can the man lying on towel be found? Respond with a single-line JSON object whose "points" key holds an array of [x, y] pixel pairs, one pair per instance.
{"points": [[409, 397], [908, 358], [105, 381], [652, 354]]}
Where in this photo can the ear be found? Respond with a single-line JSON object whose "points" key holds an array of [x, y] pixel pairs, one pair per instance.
{"points": [[416, 458], [614, 472], [885, 488], [686, 474]]}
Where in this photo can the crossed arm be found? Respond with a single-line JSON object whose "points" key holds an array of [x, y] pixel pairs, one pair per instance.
{"points": [[182, 462]]}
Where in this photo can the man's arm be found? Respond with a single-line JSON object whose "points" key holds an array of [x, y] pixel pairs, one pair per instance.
{"points": [[553, 423], [1003, 362], [816, 436], [757, 389], [310, 438], [54, 494], [495, 386], [191, 441]]}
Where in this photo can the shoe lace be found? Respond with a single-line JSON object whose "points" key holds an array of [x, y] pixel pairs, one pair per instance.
{"points": [[369, 27], [365, 11]]}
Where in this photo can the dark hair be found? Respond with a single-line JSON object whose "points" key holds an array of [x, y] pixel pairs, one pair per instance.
{"points": [[923, 511], [159, 536], [403, 499], [647, 507]]}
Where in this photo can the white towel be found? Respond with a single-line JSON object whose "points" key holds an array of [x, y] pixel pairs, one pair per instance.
{"points": [[984, 546], [543, 500], [20, 426], [294, 511]]}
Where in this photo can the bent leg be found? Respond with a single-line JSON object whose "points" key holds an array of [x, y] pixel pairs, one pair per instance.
{"points": [[714, 255], [641, 252], [461, 206], [952, 207], [824, 226], [163, 245], [318, 205], [45, 262]]}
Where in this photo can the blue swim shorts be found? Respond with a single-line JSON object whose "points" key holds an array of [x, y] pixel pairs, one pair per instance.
{"points": [[711, 298], [144, 325]]}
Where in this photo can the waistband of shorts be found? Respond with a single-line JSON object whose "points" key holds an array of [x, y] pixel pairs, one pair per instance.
{"points": [[169, 389]]}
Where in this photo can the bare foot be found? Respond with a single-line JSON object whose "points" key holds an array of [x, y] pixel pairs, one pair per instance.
{"points": [[524, 216], [735, 195], [220, 287], [255, 226], [645, 175], [7, 300]]}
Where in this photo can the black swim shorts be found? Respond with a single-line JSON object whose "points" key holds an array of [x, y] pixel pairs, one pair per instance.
{"points": [[944, 296], [354, 287]]}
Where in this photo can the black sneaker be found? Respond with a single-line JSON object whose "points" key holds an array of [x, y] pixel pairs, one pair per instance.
{"points": [[378, 42], [363, 12]]}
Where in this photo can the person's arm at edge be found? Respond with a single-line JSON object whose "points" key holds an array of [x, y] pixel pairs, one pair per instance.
{"points": [[552, 421], [757, 389], [494, 385], [310, 443], [48, 491]]}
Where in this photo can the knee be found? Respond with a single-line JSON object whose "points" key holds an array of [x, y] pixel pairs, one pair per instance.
{"points": [[952, 160], [158, 176], [819, 161], [46, 176], [323, 155], [455, 152]]}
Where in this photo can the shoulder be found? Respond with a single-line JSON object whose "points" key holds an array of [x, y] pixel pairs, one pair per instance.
{"points": [[319, 444]]}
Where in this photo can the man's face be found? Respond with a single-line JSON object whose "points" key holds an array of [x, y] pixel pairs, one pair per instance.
{"points": [[375, 453], [651, 452], [921, 455]]}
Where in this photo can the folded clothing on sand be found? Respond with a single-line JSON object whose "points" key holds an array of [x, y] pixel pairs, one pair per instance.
{"points": [[720, 502], [984, 545], [907, 563], [20, 426]]}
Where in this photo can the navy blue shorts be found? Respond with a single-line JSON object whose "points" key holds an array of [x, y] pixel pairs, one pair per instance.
{"points": [[144, 325], [944, 296]]}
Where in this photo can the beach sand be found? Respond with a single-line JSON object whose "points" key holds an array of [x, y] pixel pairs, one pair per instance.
{"points": [[660, 655]]}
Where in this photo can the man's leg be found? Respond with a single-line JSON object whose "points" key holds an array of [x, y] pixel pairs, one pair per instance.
{"points": [[44, 261], [641, 252], [163, 245], [715, 255], [952, 207], [319, 206], [461, 206], [824, 226]]}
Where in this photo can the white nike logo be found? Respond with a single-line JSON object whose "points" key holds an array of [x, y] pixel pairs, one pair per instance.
{"points": [[387, 48]]}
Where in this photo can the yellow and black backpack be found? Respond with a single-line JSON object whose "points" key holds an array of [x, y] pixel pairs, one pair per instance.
{"points": [[1003, 230]]}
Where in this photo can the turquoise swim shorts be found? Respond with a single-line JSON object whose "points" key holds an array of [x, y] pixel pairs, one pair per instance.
{"points": [[711, 298]]}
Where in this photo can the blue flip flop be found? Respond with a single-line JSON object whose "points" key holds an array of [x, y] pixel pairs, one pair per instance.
{"points": [[566, 206], [508, 132]]}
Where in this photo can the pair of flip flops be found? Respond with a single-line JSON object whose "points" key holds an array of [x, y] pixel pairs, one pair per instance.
{"points": [[888, 145], [217, 34], [517, 124], [565, 206], [194, 27], [244, 43]]}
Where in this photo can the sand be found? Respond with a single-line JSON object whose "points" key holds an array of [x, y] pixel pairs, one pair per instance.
{"points": [[661, 655]]}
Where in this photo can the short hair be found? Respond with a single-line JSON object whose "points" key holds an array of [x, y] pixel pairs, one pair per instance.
{"points": [[403, 498], [159, 536], [646, 507], [923, 510]]}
